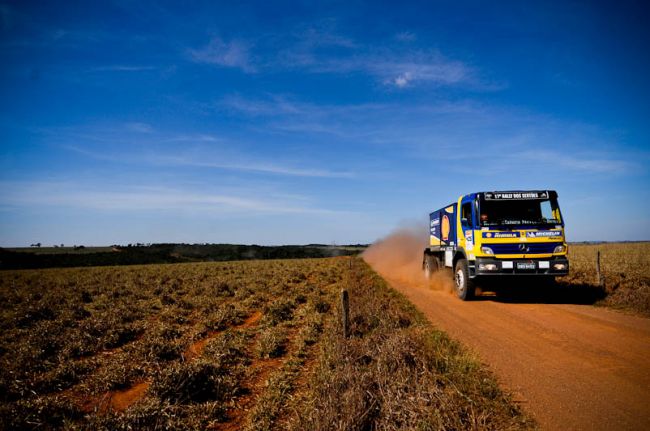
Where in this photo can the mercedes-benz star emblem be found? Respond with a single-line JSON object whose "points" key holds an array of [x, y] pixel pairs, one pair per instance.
{"points": [[524, 247]]}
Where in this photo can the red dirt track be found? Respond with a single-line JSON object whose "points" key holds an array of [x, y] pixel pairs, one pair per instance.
{"points": [[572, 367]]}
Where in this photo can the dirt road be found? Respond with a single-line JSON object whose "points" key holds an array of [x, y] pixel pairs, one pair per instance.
{"points": [[573, 367]]}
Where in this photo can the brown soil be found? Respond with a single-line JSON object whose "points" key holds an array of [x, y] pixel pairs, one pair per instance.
{"points": [[84, 403], [196, 349], [113, 400], [300, 389], [574, 367], [260, 370], [121, 400], [250, 321]]}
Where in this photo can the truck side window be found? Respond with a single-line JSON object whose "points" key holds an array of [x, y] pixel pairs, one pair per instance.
{"points": [[466, 214], [548, 215]]}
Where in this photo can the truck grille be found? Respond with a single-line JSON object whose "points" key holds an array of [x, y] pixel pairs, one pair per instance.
{"points": [[533, 248]]}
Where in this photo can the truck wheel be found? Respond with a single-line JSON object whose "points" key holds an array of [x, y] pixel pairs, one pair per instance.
{"points": [[430, 265], [464, 285]]}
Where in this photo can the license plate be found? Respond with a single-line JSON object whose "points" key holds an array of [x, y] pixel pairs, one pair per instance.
{"points": [[525, 265]]}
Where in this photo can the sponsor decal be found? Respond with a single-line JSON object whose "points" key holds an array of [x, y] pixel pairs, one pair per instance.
{"points": [[445, 228], [500, 234], [469, 235], [515, 195], [544, 234], [434, 224]]}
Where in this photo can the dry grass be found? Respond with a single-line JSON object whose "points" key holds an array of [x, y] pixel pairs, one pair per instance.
{"points": [[626, 271], [240, 345], [74, 340], [396, 372]]}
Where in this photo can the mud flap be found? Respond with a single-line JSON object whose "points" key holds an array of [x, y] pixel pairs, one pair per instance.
{"points": [[449, 258]]}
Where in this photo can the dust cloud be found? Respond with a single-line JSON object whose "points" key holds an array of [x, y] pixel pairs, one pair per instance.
{"points": [[398, 258]]}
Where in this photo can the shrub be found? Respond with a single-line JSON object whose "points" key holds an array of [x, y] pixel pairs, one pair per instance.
{"points": [[280, 311], [271, 343]]}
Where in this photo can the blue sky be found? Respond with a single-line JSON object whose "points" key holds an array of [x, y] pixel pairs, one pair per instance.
{"points": [[276, 123]]}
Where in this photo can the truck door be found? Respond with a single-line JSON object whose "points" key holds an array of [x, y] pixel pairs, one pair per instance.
{"points": [[467, 224]]}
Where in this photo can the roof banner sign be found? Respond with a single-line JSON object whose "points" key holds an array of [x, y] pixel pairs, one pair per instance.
{"points": [[498, 196]]}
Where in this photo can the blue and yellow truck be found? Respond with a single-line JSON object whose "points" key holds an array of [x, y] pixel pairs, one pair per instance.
{"points": [[497, 234]]}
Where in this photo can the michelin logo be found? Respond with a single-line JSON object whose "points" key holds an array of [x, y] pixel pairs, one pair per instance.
{"points": [[543, 234]]}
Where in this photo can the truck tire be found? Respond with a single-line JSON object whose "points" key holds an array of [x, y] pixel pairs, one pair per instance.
{"points": [[430, 265], [464, 285]]}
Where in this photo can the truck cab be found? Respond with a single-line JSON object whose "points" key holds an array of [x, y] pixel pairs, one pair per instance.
{"points": [[498, 234]]}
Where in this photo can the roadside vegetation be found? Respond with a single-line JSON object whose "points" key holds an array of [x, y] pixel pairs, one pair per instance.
{"points": [[141, 254], [253, 345], [625, 268]]}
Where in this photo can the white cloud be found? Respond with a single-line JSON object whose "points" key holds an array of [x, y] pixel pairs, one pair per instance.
{"points": [[390, 66], [139, 127], [142, 198], [235, 53], [358, 121], [279, 105], [122, 68], [406, 36], [206, 161], [584, 163], [273, 106], [201, 153], [420, 68], [320, 49], [403, 79], [461, 131]]}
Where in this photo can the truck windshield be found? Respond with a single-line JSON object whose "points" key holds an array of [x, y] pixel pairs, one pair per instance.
{"points": [[519, 212]]}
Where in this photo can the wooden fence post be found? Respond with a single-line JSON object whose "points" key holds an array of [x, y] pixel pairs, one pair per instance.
{"points": [[600, 279], [345, 312]]}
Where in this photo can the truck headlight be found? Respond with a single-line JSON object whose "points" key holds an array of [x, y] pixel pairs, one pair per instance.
{"points": [[559, 249], [559, 266], [486, 250], [487, 267]]}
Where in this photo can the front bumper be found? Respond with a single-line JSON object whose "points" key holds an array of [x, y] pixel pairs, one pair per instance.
{"points": [[552, 266]]}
